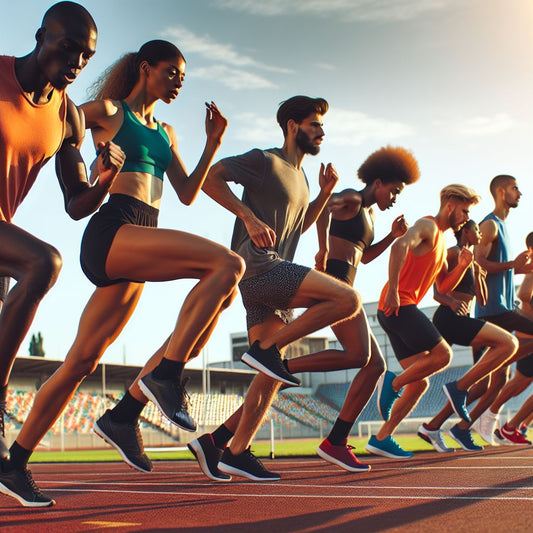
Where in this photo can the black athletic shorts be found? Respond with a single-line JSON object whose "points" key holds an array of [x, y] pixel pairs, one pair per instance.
{"points": [[120, 209], [410, 333], [525, 366], [341, 270], [512, 321], [272, 292], [456, 329]]}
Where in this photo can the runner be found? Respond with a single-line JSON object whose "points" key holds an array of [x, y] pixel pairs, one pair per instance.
{"points": [[417, 260], [452, 319], [37, 121], [117, 255]]}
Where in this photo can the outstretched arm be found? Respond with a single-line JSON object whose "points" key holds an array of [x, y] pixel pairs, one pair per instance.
{"points": [[399, 227], [327, 180], [216, 187], [188, 186], [80, 198]]}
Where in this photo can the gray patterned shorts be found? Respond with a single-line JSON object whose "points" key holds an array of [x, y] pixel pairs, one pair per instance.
{"points": [[271, 292]]}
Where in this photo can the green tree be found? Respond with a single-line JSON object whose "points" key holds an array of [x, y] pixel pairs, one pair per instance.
{"points": [[36, 345]]}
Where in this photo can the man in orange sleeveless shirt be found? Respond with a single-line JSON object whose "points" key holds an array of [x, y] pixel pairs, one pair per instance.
{"points": [[417, 260], [38, 121]]}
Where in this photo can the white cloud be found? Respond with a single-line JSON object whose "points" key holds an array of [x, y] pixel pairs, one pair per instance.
{"points": [[351, 128], [232, 78], [348, 10], [481, 126], [342, 127], [217, 52]]}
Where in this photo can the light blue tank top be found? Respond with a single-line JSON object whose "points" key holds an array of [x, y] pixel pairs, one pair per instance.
{"points": [[500, 285]]}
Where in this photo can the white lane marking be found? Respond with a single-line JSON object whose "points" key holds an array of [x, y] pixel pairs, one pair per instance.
{"points": [[300, 496]]}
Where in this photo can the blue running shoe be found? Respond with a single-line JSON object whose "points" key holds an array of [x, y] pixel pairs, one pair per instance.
{"points": [[386, 394], [463, 437], [457, 399], [387, 447]]}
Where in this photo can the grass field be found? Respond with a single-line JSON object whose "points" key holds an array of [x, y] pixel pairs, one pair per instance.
{"points": [[286, 448]]}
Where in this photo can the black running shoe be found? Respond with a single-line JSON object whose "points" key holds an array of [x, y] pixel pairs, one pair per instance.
{"points": [[171, 399], [19, 484], [4, 450], [208, 456], [269, 362], [247, 465], [127, 440]]}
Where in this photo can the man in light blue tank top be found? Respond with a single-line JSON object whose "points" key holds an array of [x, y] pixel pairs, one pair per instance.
{"points": [[493, 254]]}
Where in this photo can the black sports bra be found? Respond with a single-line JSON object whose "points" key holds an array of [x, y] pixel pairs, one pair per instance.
{"points": [[468, 283], [358, 229]]}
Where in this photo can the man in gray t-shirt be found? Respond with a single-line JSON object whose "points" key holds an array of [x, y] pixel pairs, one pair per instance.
{"points": [[272, 214]]}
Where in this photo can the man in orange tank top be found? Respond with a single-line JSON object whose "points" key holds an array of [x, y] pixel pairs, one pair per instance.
{"points": [[38, 121], [417, 260]]}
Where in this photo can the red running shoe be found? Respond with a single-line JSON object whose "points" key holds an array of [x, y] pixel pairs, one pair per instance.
{"points": [[513, 435], [342, 456]]}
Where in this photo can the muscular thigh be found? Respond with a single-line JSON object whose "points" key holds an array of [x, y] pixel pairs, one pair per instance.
{"points": [[19, 249]]}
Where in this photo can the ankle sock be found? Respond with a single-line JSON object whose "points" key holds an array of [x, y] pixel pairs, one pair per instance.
{"points": [[127, 410], [18, 456], [339, 432], [221, 436], [168, 369]]}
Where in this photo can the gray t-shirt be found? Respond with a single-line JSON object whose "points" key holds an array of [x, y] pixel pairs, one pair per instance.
{"points": [[278, 194]]}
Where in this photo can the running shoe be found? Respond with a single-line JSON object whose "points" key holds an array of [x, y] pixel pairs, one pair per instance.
{"points": [[463, 437], [208, 457], [127, 440], [386, 394], [269, 362], [247, 465], [434, 437], [500, 440], [171, 399], [457, 399], [4, 450], [387, 447], [341, 455], [485, 425], [19, 484], [513, 435]]}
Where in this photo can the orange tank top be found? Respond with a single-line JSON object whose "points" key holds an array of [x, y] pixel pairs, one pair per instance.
{"points": [[30, 134], [418, 273]]}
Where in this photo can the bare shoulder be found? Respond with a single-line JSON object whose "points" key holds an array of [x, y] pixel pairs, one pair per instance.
{"points": [[169, 130], [75, 126], [346, 203], [489, 231]]}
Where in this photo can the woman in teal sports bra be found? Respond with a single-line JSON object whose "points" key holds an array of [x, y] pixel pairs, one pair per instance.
{"points": [[122, 248]]}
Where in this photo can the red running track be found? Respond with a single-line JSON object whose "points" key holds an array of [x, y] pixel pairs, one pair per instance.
{"points": [[487, 491]]}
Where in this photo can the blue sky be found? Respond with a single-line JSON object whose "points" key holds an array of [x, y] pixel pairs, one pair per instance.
{"points": [[449, 79]]}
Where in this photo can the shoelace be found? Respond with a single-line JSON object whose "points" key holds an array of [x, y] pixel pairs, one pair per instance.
{"points": [[253, 458], [31, 483], [185, 397]]}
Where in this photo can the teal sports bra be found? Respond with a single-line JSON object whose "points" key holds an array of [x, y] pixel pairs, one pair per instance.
{"points": [[146, 150]]}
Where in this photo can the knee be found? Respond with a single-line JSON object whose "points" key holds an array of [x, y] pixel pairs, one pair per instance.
{"points": [[511, 344], [349, 303], [43, 272], [231, 269], [442, 357]]}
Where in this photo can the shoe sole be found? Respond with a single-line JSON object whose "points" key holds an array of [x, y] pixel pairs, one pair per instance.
{"points": [[97, 430], [148, 393], [462, 445], [256, 365], [455, 410], [383, 453], [22, 501], [196, 449], [231, 470], [344, 466], [423, 436]]}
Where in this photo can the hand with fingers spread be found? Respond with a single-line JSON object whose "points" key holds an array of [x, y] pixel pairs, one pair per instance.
{"points": [[215, 122], [399, 227], [109, 162]]}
